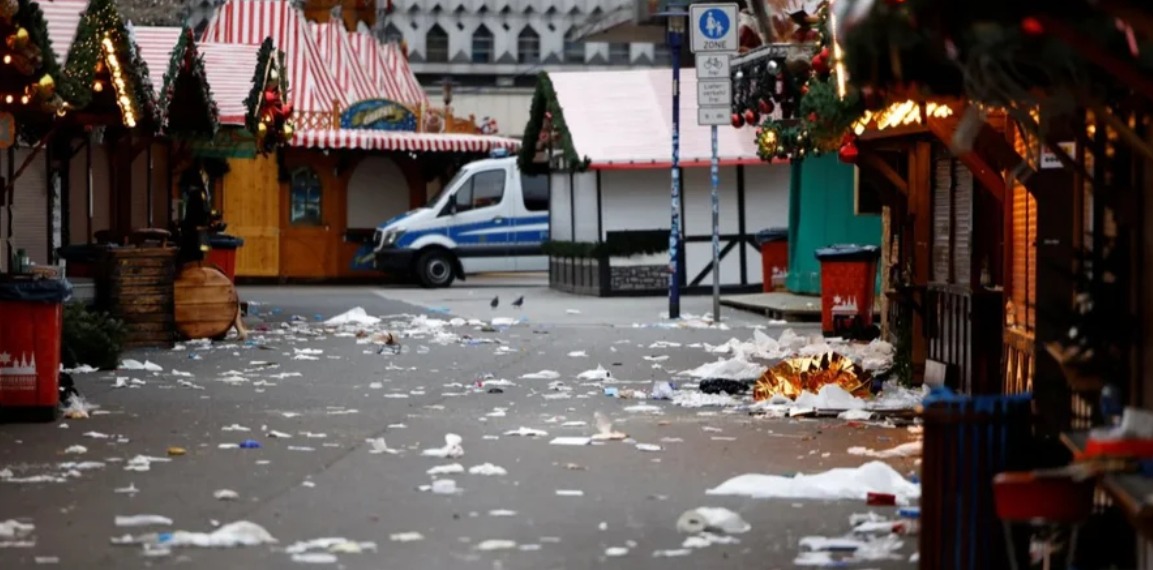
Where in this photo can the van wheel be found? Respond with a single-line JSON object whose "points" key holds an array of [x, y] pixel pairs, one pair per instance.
{"points": [[434, 269]]}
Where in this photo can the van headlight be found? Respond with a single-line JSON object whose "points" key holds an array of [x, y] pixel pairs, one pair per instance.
{"points": [[390, 237]]}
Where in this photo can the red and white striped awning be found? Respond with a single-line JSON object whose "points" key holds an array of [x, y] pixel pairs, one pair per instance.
{"points": [[62, 18], [388, 69], [312, 87], [156, 44], [400, 141], [229, 68], [336, 51]]}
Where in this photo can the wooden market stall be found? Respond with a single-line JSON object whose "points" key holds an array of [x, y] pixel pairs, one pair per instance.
{"points": [[355, 158]]}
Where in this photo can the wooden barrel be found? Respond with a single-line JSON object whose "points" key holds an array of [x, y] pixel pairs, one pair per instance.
{"points": [[135, 285], [206, 302]]}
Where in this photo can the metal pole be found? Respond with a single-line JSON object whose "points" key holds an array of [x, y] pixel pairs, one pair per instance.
{"points": [[716, 199], [675, 228]]}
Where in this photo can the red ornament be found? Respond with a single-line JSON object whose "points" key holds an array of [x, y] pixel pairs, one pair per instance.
{"points": [[271, 96], [848, 153], [751, 117], [765, 106], [813, 117], [1032, 26], [738, 120], [805, 89], [820, 65], [824, 54]]}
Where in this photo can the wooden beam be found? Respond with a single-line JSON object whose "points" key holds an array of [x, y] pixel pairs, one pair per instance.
{"points": [[877, 164], [892, 132], [989, 177], [1126, 72]]}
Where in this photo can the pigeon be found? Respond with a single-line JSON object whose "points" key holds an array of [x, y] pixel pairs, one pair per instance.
{"points": [[495, 302], [519, 302]]}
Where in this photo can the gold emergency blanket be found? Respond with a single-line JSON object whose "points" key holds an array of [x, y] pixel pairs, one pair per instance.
{"points": [[809, 373]]}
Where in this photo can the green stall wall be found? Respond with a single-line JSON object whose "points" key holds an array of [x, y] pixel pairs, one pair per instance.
{"points": [[821, 214]]}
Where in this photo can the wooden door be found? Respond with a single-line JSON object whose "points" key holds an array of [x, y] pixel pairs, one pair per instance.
{"points": [[309, 229], [252, 199]]}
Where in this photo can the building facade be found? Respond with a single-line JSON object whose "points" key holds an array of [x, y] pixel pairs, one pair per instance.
{"points": [[492, 50]]}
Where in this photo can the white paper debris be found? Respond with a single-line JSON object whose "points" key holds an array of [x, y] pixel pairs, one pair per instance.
{"points": [[143, 520], [76, 449], [648, 447], [569, 493], [527, 432], [578, 354], [452, 448], [487, 469], [496, 544], [542, 375], [240, 533], [406, 537], [599, 373], [841, 483], [501, 513], [571, 441], [129, 364], [711, 519], [728, 369], [444, 487], [226, 495], [616, 551], [446, 469], [909, 449], [357, 316]]}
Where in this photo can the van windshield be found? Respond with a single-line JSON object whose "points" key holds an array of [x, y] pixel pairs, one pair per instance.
{"points": [[451, 184]]}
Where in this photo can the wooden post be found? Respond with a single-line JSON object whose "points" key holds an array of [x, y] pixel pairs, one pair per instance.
{"points": [[921, 215]]}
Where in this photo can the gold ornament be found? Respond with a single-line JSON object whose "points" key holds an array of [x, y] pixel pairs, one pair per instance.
{"points": [[288, 130], [272, 74], [20, 38], [47, 85], [262, 129], [768, 142]]}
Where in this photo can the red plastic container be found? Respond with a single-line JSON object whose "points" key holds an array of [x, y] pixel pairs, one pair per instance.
{"points": [[848, 287], [1023, 496], [30, 357], [222, 254], [774, 246]]}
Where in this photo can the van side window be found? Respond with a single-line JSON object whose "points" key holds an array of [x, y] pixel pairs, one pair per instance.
{"points": [[487, 189], [536, 195]]}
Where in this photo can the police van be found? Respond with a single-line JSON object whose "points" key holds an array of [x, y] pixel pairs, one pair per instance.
{"points": [[489, 218]]}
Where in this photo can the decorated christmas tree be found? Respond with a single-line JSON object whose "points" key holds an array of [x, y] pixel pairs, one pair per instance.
{"points": [[268, 115]]}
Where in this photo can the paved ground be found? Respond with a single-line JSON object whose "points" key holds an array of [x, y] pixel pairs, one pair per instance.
{"points": [[325, 482]]}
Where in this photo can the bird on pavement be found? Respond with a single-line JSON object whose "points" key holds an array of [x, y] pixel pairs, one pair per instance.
{"points": [[495, 302], [519, 302]]}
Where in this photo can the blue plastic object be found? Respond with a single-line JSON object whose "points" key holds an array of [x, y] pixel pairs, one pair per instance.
{"points": [[250, 444]]}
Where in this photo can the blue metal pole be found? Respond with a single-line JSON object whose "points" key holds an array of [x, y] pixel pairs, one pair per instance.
{"points": [[675, 38], [714, 172]]}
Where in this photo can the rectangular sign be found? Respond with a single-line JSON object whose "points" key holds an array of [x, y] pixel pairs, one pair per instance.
{"points": [[715, 93], [1049, 160], [713, 28], [710, 116], [714, 66]]}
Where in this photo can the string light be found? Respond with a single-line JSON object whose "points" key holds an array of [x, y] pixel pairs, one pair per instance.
{"points": [[117, 75], [900, 114], [838, 55]]}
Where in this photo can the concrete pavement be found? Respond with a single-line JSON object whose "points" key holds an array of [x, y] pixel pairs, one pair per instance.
{"points": [[323, 481]]}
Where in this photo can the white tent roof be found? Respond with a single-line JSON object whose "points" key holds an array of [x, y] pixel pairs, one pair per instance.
{"points": [[623, 119]]}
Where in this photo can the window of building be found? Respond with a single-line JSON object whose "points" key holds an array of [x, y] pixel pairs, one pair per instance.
{"points": [[482, 45], [574, 50], [528, 46], [392, 34], [436, 45], [619, 54], [536, 194], [305, 198]]}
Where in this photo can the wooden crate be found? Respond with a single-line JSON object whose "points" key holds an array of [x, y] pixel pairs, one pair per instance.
{"points": [[136, 285]]}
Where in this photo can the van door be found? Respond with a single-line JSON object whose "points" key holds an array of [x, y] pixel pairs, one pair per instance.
{"points": [[479, 222], [531, 228]]}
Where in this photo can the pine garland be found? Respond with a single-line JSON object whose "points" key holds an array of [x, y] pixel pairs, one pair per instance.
{"points": [[33, 123], [103, 18], [268, 59], [185, 56], [546, 110]]}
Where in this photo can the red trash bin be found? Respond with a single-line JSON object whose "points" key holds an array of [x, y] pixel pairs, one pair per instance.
{"points": [[30, 330], [774, 246], [222, 253], [848, 287]]}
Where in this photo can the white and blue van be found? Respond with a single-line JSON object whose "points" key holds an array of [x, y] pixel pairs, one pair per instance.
{"points": [[489, 218]]}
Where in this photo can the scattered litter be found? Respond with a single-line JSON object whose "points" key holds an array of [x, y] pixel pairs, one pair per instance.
{"points": [[250, 444], [569, 493], [47, 559], [129, 490], [858, 415], [357, 316], [315, 558], [76, 449], [605, 430], [406, 537], [571, 441], [648, 447], [96, 435], [446, 469], [129, 364], [487, 469], [711, 519], [598, 373], [527, 432], [143, 463], [452, 448], [300, 448], [542, 375], [644, 409], [572, 311], [444, 487], [501, 513], [143, 520], [615, 551], [662, 391], [660, 358], [578, 354], [841, 483], [496, 544], [177, 451], [226, 495], [728, 369], [240, 533], [672, 553], [15, 534], [910, 449], [234, 427]]}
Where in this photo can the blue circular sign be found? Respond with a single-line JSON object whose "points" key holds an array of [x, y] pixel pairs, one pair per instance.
{"points": [[714, 23]]}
